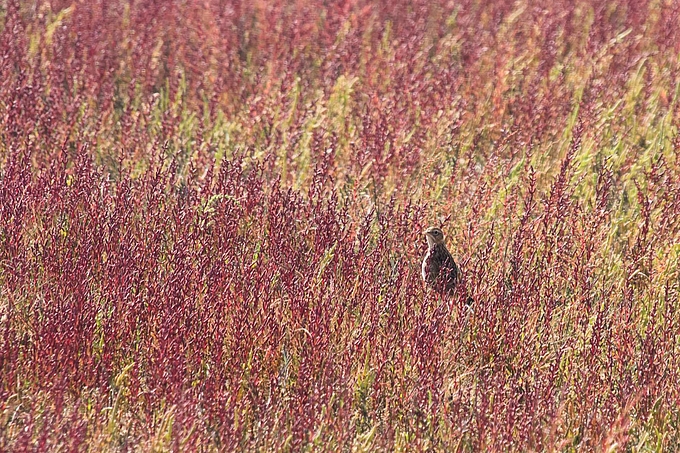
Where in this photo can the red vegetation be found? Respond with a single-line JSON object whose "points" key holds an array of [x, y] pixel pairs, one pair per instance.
{"points": [[211, 219]]}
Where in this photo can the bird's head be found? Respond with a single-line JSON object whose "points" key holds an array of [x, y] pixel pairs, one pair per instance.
{"points": [[434, 236]]}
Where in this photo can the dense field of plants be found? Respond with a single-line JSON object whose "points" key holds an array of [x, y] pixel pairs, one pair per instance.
{"points": [[211, 218]]}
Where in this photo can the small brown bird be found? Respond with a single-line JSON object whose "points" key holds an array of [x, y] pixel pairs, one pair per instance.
{"points": [[440, 271]]}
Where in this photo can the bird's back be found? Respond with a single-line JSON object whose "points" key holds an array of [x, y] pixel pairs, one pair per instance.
{"points": [[440, 270]]}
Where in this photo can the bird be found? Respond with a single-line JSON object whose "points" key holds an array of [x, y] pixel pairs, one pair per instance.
{"points": [[440, 271]]}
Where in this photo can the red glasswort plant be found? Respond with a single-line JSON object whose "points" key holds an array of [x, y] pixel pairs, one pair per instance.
{"points": [[211, 219]]}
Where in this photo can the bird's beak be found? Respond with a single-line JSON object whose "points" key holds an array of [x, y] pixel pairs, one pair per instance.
{"points": [[430, 239]]}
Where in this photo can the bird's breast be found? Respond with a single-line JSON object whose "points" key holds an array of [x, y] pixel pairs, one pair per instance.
{"points": [[425, 268]]}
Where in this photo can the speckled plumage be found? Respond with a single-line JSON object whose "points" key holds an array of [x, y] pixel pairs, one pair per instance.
{"points": [[440, 271]]}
